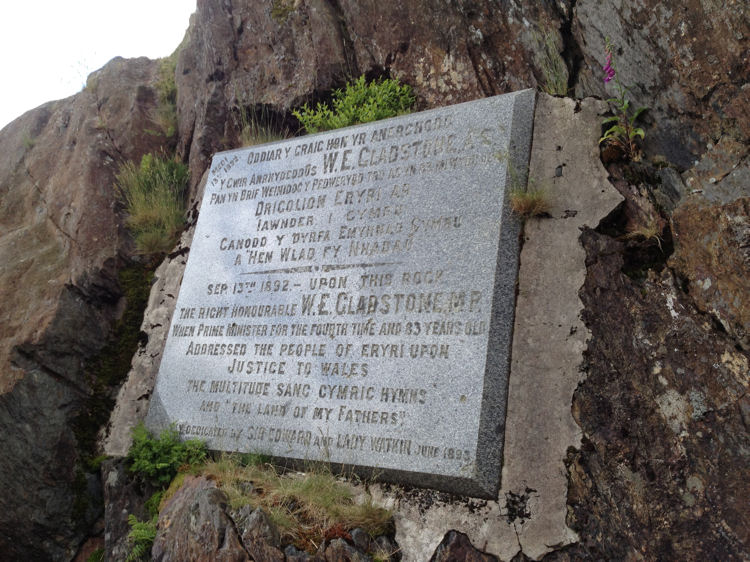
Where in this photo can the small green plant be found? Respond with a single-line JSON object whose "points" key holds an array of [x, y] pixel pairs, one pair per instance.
{"points": [[621, 131], [96, 556], [141, 538], [157, 460], [552, 64], [359, 102], [153, 194]]}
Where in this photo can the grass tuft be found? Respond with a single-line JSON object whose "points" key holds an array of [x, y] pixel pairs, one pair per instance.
{"points": [[529, 203], [165, 114], [258, 125], [552, 64], [153, 194], [649, 232], [304, 507]]}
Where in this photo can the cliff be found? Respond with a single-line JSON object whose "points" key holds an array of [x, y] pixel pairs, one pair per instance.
{"points": [[662, 406]]}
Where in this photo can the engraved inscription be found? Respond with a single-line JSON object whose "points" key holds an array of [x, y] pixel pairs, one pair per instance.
{"points": [[337, 302]]}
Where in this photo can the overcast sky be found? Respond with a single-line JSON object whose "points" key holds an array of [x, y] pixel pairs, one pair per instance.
{"points": [[49, 47]]}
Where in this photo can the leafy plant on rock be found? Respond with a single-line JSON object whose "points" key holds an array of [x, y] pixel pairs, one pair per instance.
{"points": [[141, 538], [157, 460], [621, 130], [359, 102]]}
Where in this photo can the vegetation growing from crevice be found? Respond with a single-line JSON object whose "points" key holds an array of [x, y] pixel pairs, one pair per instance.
{"points": [[530, 202], [165, 114], [141, 538], [154, 197], [306, 507], [156, 460], [551, 63], [259, 124], [104, 373], [358, 102], [638, 223], [280, 10]]}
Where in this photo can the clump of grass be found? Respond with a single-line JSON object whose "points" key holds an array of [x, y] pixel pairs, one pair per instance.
{"points": [[153, 194], [96, 556], [648, 232], [531, 202], [359, 102], [552, 64], [303, 506], [258, 125]]}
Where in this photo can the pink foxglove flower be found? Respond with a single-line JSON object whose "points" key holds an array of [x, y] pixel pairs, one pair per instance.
{"points": [[609, 72]]}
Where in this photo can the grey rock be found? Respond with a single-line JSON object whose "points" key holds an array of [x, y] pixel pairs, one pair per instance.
{"points": [[194, 525], [361, 539], [457, 546], [338, 550]]}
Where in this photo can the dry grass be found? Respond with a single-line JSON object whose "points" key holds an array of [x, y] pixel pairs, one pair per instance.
{"points": [[305, 507], [648, 232], [530, 202]]}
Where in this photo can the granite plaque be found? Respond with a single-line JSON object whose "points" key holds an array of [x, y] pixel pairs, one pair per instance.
{"points": [[349, 297]]}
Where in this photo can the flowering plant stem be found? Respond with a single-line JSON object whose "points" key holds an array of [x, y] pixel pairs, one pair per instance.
{"points": [[622, 131]]}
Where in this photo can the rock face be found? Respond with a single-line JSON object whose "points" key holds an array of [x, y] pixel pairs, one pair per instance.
{"points": [[194, 525], [663, 409], [683, 60], [61, 247]]}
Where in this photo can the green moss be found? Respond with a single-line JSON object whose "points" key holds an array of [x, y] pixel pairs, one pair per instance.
{"points": [[280, 10], [104, 373]]}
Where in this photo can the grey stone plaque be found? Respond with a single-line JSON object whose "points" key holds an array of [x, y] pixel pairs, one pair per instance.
{"points": [[349, 297]]}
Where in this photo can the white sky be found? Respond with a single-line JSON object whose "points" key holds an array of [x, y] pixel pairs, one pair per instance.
{"points": [[49, 47]]}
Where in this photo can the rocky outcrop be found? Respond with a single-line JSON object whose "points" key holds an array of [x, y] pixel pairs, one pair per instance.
{"points": [[61, 248], [194, 525], [662, 410]]}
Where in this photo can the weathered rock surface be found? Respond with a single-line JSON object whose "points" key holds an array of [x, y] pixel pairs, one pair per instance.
{"points": [[712, 239], [243, 54], [658, 474], [686, 61], [662, 471], [194, 525], [456, 546], [61, 245], [123, 496]]}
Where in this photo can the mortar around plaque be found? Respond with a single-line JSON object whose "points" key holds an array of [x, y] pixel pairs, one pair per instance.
{"points": [[349, 298]]}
